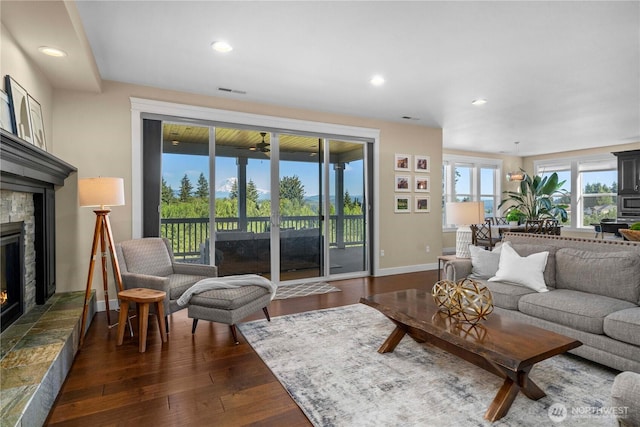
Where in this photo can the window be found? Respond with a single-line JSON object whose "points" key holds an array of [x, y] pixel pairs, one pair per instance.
{"points": [[471, 179], [592, 184]]}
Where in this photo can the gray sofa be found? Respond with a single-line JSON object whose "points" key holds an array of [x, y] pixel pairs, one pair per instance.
{"points": [[594, 294]]}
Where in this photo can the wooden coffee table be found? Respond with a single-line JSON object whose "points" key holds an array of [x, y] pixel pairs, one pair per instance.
{"points": [[500, 345]]}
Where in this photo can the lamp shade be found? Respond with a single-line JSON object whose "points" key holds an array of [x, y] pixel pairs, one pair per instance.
{"points": [[465, 213], [516, 176], [101, 191]]}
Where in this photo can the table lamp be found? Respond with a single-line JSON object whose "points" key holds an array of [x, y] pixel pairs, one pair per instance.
{"points": [[101, 192], [464, 214]]}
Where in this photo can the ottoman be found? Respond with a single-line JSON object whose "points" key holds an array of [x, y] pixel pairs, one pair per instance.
{"points": [[228, 306]]}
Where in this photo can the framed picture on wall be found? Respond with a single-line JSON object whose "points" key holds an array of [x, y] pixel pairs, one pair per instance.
{"points": [[402, 204], [422, 164], [20, 115], [422, 204], [37, 124], [5, 112], [403, 183], [421, 184], [402, 162]]}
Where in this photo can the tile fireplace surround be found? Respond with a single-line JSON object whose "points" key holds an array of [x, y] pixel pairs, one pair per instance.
{"points": [[37, 350]]}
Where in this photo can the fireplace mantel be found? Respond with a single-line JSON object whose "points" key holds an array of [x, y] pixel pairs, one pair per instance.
{"points": [[25, 168], [25, 164]]}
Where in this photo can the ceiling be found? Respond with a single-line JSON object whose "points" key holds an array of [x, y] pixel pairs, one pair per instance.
{"points": [[557, 76]]}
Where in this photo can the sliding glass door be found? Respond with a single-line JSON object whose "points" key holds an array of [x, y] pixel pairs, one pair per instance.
{"points": [[301, 207], [185, 190], [219, 187], [242, 201]]}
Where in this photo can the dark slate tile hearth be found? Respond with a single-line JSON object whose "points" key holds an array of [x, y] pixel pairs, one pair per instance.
{"points": [[36, 353]]}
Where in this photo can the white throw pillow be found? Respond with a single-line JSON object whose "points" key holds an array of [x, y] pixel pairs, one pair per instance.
{"points": [[484, 263], [526, 271]]}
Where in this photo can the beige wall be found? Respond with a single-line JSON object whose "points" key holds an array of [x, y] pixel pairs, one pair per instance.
{"points": [[15, 63]]}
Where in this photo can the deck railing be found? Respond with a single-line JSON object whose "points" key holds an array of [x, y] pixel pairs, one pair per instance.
{"points": [[188, 234]]}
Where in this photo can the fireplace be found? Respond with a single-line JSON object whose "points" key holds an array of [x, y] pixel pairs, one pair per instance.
{"points": [[29, 176], [11, 272]]}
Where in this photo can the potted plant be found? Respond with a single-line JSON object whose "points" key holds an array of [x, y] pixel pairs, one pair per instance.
{"points": [[514, 216], [536, 198]]}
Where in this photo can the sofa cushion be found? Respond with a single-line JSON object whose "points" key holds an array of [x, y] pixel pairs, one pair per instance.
{"points": [[613, 274], [526, 271], [228, 299], [506, 295], [624, 325], [578, 310], [484, 263], [524, 249]]}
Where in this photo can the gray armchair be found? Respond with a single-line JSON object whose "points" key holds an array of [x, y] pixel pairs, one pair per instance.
{"points": [[625, 394], [149, 263]]}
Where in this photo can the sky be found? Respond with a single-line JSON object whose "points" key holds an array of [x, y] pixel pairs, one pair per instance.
{"points": [[174, 167]]}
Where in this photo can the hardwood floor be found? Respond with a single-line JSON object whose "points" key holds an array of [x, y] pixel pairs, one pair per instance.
{"points": [[201, 379]]}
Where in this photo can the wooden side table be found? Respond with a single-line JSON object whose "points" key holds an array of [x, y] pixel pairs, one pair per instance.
{"points": [[142, 297], [444, 258]]}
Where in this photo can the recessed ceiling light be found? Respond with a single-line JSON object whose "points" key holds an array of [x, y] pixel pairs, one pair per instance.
{"points": [[377, 80], [479, 101], [52, 51], [221, 46], [175, 142]]}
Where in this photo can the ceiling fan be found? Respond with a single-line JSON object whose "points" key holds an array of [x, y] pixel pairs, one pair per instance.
{"points": [[261, 146]]}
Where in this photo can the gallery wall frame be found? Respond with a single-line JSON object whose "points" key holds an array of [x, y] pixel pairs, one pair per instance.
{"points": [[5, 113], [422, 204], [402, 162], [422, 164], [402, 204], [37, 124], [20, 113], [403, 183], [421, 184]]}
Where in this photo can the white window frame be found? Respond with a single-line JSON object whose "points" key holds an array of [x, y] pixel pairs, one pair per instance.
{"points": [[476, 164], [607, 161]]}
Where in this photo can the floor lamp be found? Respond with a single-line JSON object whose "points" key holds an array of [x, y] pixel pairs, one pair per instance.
{"points": [[101, 192], [464, 214]]}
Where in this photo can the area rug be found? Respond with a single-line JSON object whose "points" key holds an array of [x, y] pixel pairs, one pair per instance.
{"points": [[328, 362], [304, 289]]}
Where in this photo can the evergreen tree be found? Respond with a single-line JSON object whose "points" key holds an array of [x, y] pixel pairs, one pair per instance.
{"points": [[233, 194], [202, 191], [291, 189], [252, 192], [167, 193], [185, 189], [347, 199]]}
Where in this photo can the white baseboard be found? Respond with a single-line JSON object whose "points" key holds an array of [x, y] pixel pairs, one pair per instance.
{"points": [[406, 269], [113, 304]]}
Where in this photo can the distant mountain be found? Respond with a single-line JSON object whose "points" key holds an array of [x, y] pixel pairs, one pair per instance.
{"points": [[226, 185], [224, 189]]}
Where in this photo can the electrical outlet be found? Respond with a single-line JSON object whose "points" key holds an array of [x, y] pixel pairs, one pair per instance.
{"points": [[381, 252], [428, 249]]}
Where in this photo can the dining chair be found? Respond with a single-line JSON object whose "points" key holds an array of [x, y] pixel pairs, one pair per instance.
{"points": [[501, 220], [550, 227], [481, 235], [535, 226]]}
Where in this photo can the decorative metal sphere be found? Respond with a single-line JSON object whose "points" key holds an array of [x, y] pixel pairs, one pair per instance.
{"points": [[474, 301], [442, 292], [466, 299]]}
